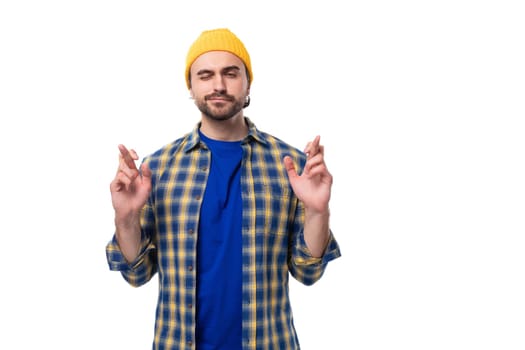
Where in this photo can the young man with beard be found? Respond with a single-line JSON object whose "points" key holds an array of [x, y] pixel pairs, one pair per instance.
{"points": [[223, 214]]}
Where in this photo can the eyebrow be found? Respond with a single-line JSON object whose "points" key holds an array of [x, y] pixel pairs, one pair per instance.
{"points": [[230, 68]]}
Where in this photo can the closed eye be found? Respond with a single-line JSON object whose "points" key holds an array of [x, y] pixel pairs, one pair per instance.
{"points": [[231, 71]]}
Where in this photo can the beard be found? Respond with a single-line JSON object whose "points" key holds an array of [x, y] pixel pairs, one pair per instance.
{"points": [[220, 111]]}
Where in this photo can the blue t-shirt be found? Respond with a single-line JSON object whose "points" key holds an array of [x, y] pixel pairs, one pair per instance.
{"points": [[219, 251]]}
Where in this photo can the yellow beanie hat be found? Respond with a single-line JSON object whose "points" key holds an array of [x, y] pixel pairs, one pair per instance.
{"points": [[221, 39]]}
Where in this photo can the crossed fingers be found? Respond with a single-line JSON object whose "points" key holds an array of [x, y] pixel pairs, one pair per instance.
{"points": [[127, 160], [314, 155], [127, 170]]}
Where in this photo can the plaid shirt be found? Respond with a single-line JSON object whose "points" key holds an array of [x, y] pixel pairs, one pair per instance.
{"points": [[273, 244]]}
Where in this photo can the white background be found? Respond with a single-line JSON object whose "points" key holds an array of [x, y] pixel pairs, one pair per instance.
{"points": [[420, 105]]}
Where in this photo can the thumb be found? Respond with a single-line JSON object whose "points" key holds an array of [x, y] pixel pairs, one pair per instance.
{"points": [[290, 167], [146, 173]]}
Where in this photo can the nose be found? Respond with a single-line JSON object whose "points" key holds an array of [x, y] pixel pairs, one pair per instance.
{"points": [[218, 83]]}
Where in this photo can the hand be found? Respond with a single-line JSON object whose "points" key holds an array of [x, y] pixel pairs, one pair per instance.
{"points": [[129, 189], [313, 186]]}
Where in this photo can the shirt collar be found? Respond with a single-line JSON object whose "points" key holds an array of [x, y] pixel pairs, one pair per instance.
{"points": [[193, 139]]}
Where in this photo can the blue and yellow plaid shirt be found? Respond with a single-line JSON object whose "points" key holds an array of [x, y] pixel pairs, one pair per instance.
{"points": [[273, 244]]}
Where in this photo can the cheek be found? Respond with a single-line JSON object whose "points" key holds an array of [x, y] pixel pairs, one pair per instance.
{"points": [[238, 88], [197, 92], [201, 88]]}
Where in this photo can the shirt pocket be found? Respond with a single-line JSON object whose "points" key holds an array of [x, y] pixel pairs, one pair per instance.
{"points": [[273, 208]]}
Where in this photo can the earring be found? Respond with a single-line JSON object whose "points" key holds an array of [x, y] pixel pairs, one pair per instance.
{"points": [[246, 101]]}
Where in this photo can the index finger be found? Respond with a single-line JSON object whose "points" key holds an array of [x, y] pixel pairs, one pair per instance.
{"points": [[127, 157], [313, 147]]}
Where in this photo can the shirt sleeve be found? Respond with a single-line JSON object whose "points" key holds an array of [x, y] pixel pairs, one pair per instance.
{"points": [[306, 268], [137, 272], [142, 269]]}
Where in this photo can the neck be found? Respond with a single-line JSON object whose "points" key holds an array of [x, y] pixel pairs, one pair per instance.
{"points": [[233, 129]]}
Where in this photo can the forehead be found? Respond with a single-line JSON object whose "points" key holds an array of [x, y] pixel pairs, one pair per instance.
{"points": [[216, 60]]}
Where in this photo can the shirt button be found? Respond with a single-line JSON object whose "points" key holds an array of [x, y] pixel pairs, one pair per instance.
{"points": [[190, 343], [190, 306], [191, 231], [190, 268]]}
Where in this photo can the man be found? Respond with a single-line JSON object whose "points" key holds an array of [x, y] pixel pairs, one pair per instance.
{"points": [[223, 214]]}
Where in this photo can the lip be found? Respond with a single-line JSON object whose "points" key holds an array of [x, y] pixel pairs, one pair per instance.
{"points": [[218, 99]]}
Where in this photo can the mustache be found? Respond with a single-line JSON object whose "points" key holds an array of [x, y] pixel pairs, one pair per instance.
{"points": [[219, 95]]}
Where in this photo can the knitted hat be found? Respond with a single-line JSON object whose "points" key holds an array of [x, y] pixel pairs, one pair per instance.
{"points": [[221, 39]]}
